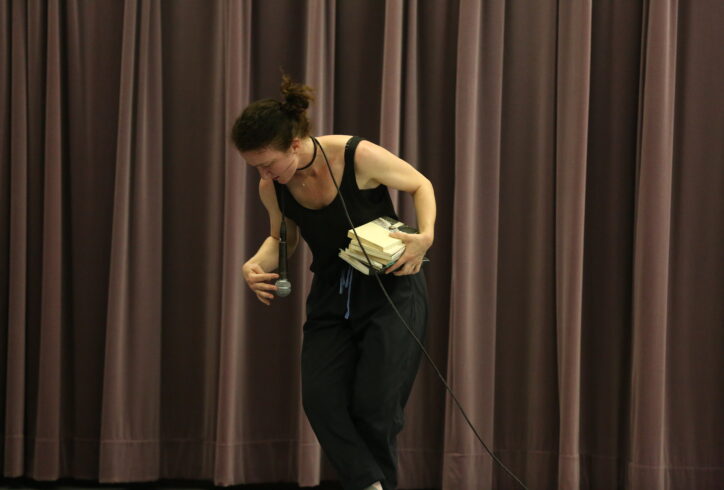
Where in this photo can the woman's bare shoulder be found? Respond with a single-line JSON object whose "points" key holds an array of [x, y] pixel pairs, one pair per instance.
{"points": [[334, 141], [268, 194]]}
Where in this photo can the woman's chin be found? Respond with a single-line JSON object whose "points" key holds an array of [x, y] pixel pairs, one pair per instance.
{"points": [[287, 175]]}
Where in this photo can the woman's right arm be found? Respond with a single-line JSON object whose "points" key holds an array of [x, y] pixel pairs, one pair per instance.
{"points": [[266, 259]]}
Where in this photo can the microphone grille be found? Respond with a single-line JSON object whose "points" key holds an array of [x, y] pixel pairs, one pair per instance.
{"points": [[284, 288]]}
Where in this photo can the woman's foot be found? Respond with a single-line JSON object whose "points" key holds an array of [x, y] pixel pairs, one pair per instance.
{"points": [[375, 486]]}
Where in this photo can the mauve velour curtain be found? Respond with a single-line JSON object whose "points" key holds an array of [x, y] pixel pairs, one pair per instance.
{"points": [[576, 279]]}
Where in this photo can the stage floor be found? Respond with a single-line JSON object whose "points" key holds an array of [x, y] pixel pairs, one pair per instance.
{"points": [[27, 484]]}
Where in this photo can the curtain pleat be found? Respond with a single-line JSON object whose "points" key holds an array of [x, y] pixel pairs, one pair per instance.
{"points": [[526, 410], [49, 432], [573, 89], [319, 62], [392, 76], [16, 376], [471, 348], [5, 113], [130, 427], [574, 283], [400, 30], [610, 172], [696, 312], [237, 62], [649, 444]]}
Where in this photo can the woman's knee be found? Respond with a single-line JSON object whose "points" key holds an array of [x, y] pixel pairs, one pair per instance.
{"points": [[376, 414], [319, 402]]}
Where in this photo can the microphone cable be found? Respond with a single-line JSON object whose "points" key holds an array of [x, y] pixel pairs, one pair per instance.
{"points": [[419, 343], [284, 287]]}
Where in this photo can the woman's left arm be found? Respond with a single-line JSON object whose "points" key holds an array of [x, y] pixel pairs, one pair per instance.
{"points": [[376, 165]]}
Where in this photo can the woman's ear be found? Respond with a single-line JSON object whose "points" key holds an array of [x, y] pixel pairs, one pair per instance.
{"points": [[296, 145]]}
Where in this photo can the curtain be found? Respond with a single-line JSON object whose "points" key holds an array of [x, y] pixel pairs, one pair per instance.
{"points": [[575, 280]]}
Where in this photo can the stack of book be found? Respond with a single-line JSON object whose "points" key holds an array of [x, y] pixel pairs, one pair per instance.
{"points": [[382, 249]]}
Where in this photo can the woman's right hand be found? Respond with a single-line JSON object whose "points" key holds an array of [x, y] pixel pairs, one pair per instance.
{"points": [[257, 279]]}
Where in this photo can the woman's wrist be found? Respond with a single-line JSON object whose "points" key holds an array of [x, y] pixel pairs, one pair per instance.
{"points": [[248, 267], [428, 238]]}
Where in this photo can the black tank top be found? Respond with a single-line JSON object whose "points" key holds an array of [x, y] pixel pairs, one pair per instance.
{"points": [[325, 229]]}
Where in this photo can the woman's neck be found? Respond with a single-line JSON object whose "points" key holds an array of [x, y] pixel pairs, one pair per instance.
{"points": [[308, 157]]}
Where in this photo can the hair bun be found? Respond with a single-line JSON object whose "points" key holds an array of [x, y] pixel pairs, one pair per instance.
{"points": [[296, 97], [293, 104]]}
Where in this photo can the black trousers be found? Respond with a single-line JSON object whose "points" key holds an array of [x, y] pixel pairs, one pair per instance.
{"points": [[358, 366]]}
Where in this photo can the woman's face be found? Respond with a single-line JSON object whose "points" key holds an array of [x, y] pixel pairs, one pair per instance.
{"points": [[273, 164]]}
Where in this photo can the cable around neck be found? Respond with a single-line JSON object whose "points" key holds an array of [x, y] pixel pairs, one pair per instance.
{"points": [[314, 155]]}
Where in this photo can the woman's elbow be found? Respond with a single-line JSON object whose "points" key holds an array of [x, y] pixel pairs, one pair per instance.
{"points": [[425, 185]]}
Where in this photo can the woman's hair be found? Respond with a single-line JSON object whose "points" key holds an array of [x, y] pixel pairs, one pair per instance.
{"points": [[273, 123]]}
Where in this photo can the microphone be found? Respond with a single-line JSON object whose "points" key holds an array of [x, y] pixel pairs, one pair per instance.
{"points": [[284, 287]]}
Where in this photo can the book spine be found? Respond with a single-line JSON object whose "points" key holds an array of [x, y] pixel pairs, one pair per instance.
{"points": [[379, 256], [354, 263]]}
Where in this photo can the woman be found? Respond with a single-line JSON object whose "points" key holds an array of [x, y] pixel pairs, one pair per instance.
{"points": [[358, 360]]}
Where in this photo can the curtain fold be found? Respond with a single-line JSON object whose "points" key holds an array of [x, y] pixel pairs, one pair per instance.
{"points": [[575, 281], [610, 175], [398, 24], [572, 114], [392, 76], [693, 405], [471, 350], [5, 114], [237, 62], [527, 409], [652, 246], [49, 429], [130, 427], [17, 238]]}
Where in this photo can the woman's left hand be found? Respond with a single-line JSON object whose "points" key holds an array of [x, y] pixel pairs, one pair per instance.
{"points": [[416, 245]]}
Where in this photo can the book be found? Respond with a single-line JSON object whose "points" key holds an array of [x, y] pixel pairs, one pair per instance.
{"points": [[354, 248], [362, 267], [382, 249], [376, 262], [376, 234]]}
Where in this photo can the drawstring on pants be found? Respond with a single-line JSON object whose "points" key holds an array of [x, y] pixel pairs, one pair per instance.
{"points": [[345, 281]]}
